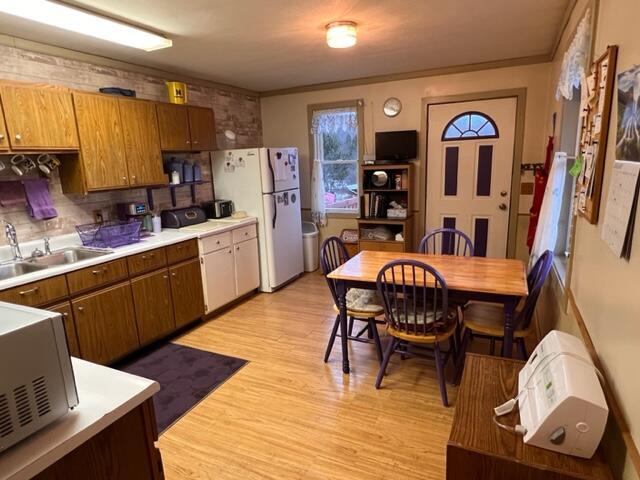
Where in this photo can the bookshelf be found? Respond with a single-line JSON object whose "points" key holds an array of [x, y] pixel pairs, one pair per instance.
{"points": [[381, 185]]}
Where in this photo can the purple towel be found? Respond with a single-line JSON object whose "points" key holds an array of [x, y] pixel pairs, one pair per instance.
{"points": [[39, 203], [12, 194]]}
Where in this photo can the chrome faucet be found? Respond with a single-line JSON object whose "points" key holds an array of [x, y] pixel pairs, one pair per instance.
{"points": [[47, 247], [12, 239]]}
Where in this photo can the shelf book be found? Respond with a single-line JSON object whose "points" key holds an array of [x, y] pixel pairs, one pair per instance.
{"points": [[386, 216]]}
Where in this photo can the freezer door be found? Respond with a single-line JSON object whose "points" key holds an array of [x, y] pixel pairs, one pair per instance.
{"points": [[280, 169], [283, 228]]}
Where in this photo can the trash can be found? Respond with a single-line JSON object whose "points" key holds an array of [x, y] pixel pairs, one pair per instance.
{"points": [[310, 246]]}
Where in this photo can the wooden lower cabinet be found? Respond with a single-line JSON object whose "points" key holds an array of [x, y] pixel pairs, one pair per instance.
{"points": [[124, 450], [186, 292], [66, 311], [153, 306], [106, 323]]}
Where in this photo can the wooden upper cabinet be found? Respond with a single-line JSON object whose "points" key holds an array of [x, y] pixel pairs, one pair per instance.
{"points": [[142, 142], [203, 128], [173, 123], [4, 141], [101, 141], [39, 118]]}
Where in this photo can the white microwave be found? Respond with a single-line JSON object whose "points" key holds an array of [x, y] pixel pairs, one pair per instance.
{"points": [[37, 385]]}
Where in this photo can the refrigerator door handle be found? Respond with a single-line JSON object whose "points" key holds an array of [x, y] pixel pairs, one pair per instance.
{"points": [[275, 211], [273, 175]]}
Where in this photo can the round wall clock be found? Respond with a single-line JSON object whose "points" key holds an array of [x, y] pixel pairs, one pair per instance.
{"points": [[392, 107]]}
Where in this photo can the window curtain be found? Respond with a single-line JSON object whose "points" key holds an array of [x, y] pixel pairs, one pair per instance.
{"points": [[547, 231], [574, 63], [326, 121]]}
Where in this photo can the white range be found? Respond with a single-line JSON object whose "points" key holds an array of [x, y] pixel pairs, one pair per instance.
{"points": [[265, 182]]}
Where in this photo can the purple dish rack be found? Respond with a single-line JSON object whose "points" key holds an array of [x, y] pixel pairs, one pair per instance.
{"points": [[109, 234]]}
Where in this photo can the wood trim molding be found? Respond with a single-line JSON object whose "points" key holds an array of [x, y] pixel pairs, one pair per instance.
{"points": [[518, 148], [632, 449], [571, 6], [433, 72], [23, 44]]}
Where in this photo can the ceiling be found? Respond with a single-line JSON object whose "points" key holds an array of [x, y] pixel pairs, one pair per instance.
{"points": [[264, 45]]}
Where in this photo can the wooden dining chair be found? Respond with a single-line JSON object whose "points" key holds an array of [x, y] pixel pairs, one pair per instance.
{"points": [[416, 315], [333, 253], [486, 320], [446, 241]]}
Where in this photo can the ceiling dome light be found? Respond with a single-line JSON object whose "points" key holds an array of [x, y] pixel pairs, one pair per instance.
{"points": [[341, 34]]}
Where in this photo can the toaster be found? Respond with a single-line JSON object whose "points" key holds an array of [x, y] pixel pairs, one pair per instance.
{"points": [[218, 208], [182, 217]]}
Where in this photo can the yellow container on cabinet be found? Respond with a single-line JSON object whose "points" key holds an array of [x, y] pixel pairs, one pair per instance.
{"points": [[177, 92]]}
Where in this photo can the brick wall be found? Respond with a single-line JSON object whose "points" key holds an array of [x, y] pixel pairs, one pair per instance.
{"points": [[234, 110]]}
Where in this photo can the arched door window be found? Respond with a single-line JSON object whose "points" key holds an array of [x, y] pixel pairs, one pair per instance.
{"points": [[470, 126]]}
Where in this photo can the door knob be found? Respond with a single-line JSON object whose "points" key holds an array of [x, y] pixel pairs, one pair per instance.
{"points": [[503, 193], [502, 206]]}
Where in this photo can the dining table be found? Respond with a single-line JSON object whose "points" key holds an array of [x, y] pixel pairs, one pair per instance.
{"points": [[497, 280]]}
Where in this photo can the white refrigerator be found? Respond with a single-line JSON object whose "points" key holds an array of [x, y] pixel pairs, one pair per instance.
{"points": [[265, 182]]}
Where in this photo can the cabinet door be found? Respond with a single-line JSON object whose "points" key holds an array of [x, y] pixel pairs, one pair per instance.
{"points": [[152, 303], [39, 118], [106, 324], [4, 141], [69, 327], [173, 123], [101, 141], [247, 266], [142, 142], [219, 278], [203, 128], [186, 292]]}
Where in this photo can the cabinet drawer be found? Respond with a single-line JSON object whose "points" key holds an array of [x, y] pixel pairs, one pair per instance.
{"points": [[244, 233], [216, 242], [97, 276], [381, 246], [182, 251], [37, 293], [147, 261]]}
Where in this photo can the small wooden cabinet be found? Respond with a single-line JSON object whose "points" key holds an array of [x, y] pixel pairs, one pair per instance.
{"points": [[186, 292], [141, 142], [106, 323], [173, 123], [202, 128], [66, 311], [246, 266], [153, 306], [4, 141], [101, 141], [39, 118]]}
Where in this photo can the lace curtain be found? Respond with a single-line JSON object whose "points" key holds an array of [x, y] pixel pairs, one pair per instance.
{"points": [[574, 62], [326, 121]]}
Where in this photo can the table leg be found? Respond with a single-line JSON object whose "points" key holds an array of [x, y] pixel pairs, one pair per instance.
{"points": [[341, 290], [510, 305]]}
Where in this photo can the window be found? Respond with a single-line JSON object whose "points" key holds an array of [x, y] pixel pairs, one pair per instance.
{"points": [[336, 145], [470, 125]]}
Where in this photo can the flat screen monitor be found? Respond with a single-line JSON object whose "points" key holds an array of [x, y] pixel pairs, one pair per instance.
{"points": [[400, 146]]}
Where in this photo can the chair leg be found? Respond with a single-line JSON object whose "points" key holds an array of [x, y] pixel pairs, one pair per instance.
{"points": [[466, 339], [492, 347], [522, 349], [332, 339], [385, 361], [372, 327], [373, 330], [351, 322], [440, 373]]}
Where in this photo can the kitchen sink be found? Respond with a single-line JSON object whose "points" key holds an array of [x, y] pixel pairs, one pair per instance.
{"points": [[67, 256], [11, 270]]}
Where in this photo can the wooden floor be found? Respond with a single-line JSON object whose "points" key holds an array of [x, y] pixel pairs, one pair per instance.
{"points": [[288, 415]]}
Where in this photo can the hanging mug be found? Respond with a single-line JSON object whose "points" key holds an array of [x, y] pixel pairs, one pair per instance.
{"points": [[47, 163], [21, 164]]}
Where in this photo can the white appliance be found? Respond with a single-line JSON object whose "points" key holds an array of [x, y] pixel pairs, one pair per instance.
{"points": [[265, 183], [37, 385], [562, 406]]}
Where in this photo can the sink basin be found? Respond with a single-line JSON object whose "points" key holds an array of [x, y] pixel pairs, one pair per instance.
{"points": [[11, 270], [68, 255]]}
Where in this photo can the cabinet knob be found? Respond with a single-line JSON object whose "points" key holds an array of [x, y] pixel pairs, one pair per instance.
{"points": [[124, 178], [173, 274], [195, 142], [237, 248], [229, 251], [1, 136], [18, 136], [165, 276], [188, 142], [80, 309]]}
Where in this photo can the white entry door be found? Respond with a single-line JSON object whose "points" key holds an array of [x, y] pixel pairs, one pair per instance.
{"points": [[469, 170]]}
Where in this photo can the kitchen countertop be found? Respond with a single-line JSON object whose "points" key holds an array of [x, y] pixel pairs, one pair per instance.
{"points": [[166, 237], [105, 395]]}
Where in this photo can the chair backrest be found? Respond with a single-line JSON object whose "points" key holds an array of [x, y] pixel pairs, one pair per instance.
{"points": [[446, 241], [414, 296], [333, 253], [535, 281]]}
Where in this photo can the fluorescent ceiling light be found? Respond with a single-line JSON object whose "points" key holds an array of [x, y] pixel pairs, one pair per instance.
{"points": [[86, 23]]}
